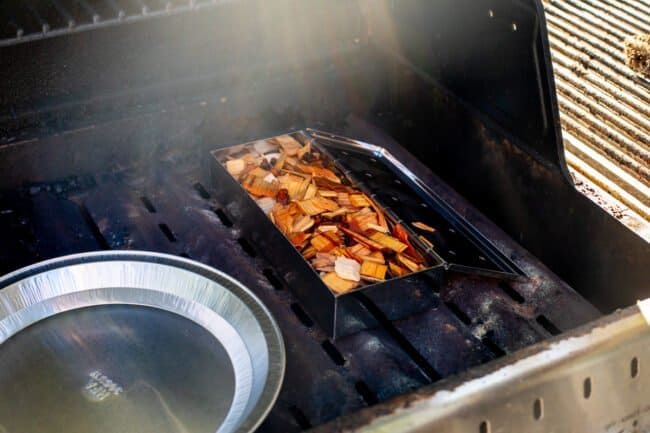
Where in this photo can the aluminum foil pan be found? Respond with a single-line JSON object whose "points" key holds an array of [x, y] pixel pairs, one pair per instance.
{"points": [[134, 342]]}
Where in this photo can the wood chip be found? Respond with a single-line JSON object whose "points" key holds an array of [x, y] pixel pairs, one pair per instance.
{"points": [[266, 203], [311, 192], [235, 167], [322, 243], [423, 226], [325, 203], [320, 172], [302, 223], [408, 263], [299, 239], [289, 145], [309, 252], [425, 241], [362, 239], [359, 200], [340, 230], [388, 241], [375, 257], [347, 269], [264, 146], [322, 228], [310, 208], [360, 250], [259, 187], [373, 271], [279, 164], [397, 270], [328, 193], [337, 284]]}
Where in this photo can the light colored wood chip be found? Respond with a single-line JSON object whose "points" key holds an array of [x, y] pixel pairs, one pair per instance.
{"points": [[279, 164], [289, 145], [259, 187], [425, 241], [423, 226], [311, 192], [302, 223], [264, 146], [397, 270], [375, 257], [325, 203], [235, 166], [266, 203], [359, 250], [327, 228], [359, 200], [337, 284], [319, 172], [327, 193], [347, 269], [373, 270], [322, 243], [362, 239], [309, 252], [377, 227], [388, 241], [408, 263]]}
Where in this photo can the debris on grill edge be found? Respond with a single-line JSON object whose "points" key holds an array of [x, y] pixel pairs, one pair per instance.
{"points": [[637, 52]]}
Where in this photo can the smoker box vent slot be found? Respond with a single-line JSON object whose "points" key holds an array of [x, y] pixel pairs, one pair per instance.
{"points": [[447, 242]]}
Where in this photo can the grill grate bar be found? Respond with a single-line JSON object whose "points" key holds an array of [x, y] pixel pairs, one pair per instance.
{"points": [[572, 122], [633, 5], [636, 142], [565, 67], [616, 16], [604, 106], [24, 21], [583, 64], [596, 26], [591, 93]]}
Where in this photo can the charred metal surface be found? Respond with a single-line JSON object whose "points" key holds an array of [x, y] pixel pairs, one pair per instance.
{"points": [[126, 208], [367, 416]]}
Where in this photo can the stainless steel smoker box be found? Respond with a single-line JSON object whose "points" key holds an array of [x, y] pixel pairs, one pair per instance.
{"points": [[453, 246]]}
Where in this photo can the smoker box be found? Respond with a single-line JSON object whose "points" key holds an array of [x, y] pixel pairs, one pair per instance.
{"points": [[453, 246]]}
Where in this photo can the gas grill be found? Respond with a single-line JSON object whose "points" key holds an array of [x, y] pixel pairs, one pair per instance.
{"points": [[110, 112]]}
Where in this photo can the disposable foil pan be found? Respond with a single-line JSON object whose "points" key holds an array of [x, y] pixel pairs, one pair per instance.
{"points": [[130, 342]]}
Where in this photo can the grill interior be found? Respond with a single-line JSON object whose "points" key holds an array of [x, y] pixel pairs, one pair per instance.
{"points": [[100, 150], [166, 203]]}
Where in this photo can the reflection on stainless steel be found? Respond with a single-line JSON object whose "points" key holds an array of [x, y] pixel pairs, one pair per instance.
{"points": [[111, 350]]}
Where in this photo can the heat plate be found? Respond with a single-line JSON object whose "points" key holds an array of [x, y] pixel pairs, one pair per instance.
{"points": [[167, 205]]}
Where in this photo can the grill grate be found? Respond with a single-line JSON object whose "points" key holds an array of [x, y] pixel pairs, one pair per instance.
{"points": [[604, 105], [163, 208], [23, 20]]}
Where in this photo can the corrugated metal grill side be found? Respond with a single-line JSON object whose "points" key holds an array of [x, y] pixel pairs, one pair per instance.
{"points": [[604, 105]]}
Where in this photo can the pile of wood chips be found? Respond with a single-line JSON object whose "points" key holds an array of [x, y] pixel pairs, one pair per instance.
{"points": [[342, 232]]}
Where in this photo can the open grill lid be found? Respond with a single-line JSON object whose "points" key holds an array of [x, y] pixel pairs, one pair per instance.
{"points": [[63, 58], [494, 136]]}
